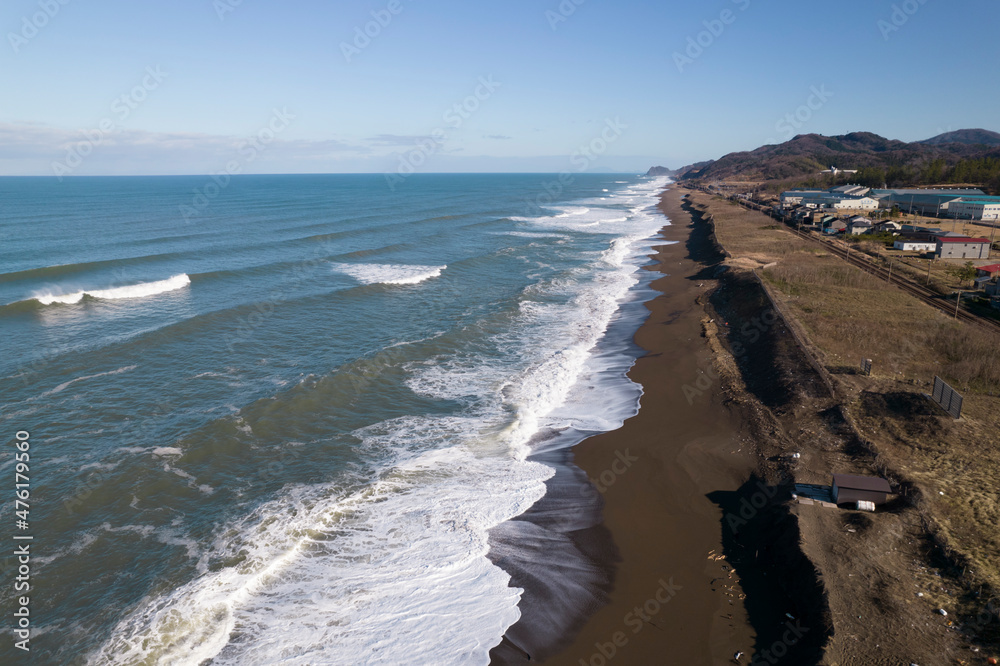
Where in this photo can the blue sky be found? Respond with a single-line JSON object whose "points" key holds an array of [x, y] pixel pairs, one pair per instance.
{"points": [[124, 87]]}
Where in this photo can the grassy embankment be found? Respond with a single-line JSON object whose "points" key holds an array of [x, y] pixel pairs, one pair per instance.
{"points": [[846, 314]]}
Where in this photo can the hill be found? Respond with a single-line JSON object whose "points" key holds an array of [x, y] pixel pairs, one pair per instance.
{"points": [[969, 137], [878, 160]]}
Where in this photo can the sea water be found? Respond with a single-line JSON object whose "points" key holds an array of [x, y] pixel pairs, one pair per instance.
{"points": [[278, 425]]}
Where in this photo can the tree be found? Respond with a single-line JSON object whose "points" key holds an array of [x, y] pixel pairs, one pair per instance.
{"points": [[933, 172], [871, 177], [966, 273]]}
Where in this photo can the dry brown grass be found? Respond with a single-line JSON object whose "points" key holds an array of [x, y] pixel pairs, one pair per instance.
{"points": [[846, 314], [970, 357], [750, 236]]}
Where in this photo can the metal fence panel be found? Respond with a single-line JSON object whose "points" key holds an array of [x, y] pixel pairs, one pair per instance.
{"points": [[949, 399]]}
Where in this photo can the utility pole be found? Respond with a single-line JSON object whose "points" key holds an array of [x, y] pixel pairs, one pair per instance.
{"points": [[958, 301], [928, 271], [889, 278]]}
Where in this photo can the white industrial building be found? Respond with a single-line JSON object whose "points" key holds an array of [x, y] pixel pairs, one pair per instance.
{"points": [[968, 203], [847, 197], [908, 245], [852, 203], [794, 197], [975, 209], [852, 190]]}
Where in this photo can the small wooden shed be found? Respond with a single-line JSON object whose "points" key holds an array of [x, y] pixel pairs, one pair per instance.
{"points": [[849, 488]]}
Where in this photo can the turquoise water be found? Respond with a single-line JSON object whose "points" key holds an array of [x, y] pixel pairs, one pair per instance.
{"points": [[280, 428]]}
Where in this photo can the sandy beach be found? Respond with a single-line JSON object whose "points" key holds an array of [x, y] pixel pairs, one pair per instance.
{"points": [[686, 444], [673, 598]]}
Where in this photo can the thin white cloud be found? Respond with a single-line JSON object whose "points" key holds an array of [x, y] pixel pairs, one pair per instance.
{"points": [[396, 140], [33, 148]]}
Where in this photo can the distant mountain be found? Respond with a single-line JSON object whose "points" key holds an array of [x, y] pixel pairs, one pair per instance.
{"points": [[969, 137], [692, 168], [677, 173], [806, 155]]}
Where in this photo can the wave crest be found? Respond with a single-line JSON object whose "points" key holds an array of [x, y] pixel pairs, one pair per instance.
{"points": [[141, 290], [389, 273]]}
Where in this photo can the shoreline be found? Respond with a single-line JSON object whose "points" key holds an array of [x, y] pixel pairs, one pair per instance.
{"points": [[669, 595]]}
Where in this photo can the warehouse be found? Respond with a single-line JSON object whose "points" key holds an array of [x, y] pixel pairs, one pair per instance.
{"points": [[962, 247], [980, 208]]}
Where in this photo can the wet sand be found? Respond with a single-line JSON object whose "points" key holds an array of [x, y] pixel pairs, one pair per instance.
{"points": [[671, 601]]}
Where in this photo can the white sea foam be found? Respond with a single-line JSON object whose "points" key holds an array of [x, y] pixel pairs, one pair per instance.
{"points": [[604, 217], [80, 544], [339, 578], [133, 449], [104, 467], [141, 290], [533, 234], [569, 212], [396, 571], [62, 387], [389, 273], [168, 535]]}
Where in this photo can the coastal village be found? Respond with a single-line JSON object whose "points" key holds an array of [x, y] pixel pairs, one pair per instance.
{"points": [[954, 226], [875, 418]]}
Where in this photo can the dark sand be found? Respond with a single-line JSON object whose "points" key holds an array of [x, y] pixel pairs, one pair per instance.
{"points": [[671, 602]]}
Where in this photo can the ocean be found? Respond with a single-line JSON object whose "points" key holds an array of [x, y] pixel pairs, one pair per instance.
{"points": [[276, 419]]}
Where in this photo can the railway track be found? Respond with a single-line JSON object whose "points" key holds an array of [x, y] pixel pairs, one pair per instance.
{"points": [[863, 262]]}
